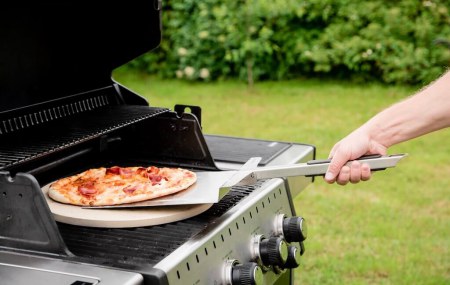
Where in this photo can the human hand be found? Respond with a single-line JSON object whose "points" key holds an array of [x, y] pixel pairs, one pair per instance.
{"points": [[353, 146]]}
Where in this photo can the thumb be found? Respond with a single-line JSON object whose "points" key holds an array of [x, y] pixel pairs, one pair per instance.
{"points": [[335, 166]]}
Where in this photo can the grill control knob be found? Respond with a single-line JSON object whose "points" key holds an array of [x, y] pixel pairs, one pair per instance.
{"points": [[294, 229], [244, 274], [293, 260], [273, 251], [247, 274]]}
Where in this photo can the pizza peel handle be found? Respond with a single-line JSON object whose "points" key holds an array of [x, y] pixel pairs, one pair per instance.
{"points": [[311, 168], [211, 186]]}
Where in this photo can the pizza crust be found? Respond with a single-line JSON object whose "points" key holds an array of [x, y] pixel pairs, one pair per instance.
{"points": [[113, 189]]}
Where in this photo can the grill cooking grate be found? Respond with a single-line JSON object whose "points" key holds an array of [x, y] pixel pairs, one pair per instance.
{"points": [[144, 245], [56, 135]]}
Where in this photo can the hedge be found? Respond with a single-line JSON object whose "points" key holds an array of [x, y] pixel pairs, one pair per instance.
{"points": [[401, 42]]}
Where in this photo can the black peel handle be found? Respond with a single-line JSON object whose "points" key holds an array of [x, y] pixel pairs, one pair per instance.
{"points": [[327, 161], [321, 161], [364, 157]]}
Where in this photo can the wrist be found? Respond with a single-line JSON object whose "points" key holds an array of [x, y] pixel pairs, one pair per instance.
{"points": [[378, 136]]}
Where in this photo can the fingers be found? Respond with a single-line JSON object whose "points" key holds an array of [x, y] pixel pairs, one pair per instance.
{"points": [[344, 176], [365, 172], [337, 162], [354, 173], [352, 147]]}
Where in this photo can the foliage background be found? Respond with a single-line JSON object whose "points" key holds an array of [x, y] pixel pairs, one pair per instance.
{"points": [[389, 41]]}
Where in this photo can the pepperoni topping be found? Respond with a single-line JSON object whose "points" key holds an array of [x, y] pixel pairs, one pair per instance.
{"points": [[141, 171], [116, 170], [126, 172], [153, 169], [129, 189], [87, 189], [113, 170], [152, 174], [155, 178]]}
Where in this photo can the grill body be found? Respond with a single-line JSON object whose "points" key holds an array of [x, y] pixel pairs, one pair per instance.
{"points": [[62, 113]]}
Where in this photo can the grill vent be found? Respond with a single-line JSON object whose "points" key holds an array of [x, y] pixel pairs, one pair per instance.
{"points": [[14, 124], [58, 135]]}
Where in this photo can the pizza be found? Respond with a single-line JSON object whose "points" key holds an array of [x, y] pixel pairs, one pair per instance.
{"points": [[120, 185]]}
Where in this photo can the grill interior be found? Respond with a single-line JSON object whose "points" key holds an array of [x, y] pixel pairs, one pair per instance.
{"points": [[132, 247], [53, 136]]}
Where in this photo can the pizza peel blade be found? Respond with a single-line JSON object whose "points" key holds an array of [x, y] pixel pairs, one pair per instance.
{"points": [[207, 190]]}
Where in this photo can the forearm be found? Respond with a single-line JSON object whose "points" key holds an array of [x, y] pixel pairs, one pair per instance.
{"points": [[424, 112]]}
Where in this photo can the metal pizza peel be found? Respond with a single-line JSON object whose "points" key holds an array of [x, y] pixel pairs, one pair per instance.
{"points": [[211, 186]]}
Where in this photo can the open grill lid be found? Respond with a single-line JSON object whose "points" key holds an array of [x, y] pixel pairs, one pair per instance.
{"points": [[58, 99], [52, 49]]}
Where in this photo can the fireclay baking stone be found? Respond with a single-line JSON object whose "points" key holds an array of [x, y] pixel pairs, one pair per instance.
{"points": [[121, 218]]}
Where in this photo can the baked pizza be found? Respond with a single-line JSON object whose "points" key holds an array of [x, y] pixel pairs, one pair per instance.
{"points": [[120, 185]]}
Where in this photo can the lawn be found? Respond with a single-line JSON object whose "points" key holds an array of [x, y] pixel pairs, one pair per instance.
{"points": [[393, 229]]}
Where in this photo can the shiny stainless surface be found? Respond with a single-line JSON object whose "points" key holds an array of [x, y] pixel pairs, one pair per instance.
{"points": [[203, 259], [207, 256], [21, 269]]}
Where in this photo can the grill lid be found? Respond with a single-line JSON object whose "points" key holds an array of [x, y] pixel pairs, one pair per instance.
{"points": [[51, 49]]}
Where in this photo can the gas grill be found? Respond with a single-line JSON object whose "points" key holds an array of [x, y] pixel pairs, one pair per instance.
{"points": [[62, 113]]}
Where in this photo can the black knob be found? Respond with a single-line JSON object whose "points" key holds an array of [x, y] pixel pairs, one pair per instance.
{"points": [[294, 229], [273, 251], [293, 260], [247, 274]]}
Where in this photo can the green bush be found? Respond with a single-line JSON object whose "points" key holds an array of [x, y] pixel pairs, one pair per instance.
{"points": [[389, 41]]}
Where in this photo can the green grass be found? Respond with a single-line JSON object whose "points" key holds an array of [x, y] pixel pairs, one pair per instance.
{"points": [[393, 229]]}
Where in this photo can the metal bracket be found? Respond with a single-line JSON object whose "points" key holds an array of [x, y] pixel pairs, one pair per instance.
{"points": [[26, 222], [195, 110]]}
